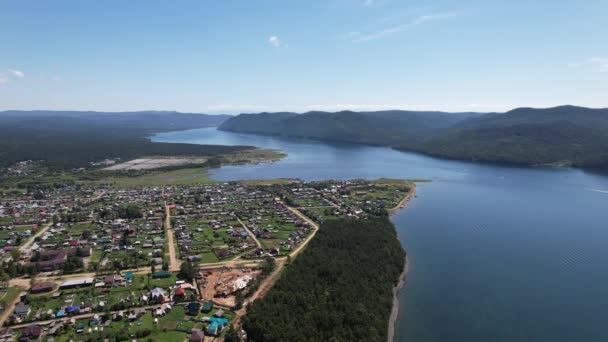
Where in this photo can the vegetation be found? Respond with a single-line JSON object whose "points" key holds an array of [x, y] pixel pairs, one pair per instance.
{"points": [[564, 135], [63, 140], [338, 289]]}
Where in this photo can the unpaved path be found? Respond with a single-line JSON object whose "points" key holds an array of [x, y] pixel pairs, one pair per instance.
{"points": [[7, 312], [250, 233], [174, 263], [272, 278]]}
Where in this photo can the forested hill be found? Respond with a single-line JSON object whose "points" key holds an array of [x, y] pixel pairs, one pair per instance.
{"points": [[565, 135], [379, 128], [143, 121], [74, 139]]}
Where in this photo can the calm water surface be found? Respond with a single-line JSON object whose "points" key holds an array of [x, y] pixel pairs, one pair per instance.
{"points": [[497, 253]]}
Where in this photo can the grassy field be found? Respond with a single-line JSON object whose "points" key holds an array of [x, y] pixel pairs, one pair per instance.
{"points": [[260, 155], [161, 178], [9, 294], [188, 176]]}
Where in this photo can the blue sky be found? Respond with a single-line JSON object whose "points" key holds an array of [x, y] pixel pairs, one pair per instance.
{"points": [[245, 56]]}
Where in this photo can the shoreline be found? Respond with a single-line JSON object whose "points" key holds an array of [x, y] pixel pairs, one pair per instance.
{"points": [[403, 277], [395, 309], [403, 203]]}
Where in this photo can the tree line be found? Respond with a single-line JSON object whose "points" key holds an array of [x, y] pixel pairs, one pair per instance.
{"points": [[338, 289]]}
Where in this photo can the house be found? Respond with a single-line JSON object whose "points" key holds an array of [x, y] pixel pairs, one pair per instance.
{"points": [[157, 294], [222, 253], [216, 325], [194, 258], [193, 308], [208, 306], [197, 336], [22, 309], [42, 287], [73, 310], [76, 283], [179, 292], [31, 331], [161, 274], [109, 280]]}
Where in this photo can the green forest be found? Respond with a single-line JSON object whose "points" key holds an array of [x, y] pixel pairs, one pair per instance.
{"points": [[338, 289], [64, 140]]}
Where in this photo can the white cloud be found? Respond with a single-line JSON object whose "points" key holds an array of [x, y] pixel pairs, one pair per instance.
{"points": [[593, 64], [274, 41], [3, 80], [358, 37], [16, 73]]}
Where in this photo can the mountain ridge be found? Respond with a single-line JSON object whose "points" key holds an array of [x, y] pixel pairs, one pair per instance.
{"points": [[563, 135]]}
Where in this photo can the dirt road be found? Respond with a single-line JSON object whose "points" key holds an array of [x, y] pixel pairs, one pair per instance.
{"points": [[174, 263], [250, 233], [8, 311], [315, 228], [271, 279]]}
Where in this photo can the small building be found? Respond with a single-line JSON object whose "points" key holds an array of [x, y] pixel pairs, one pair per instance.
{"points": [[31, 331], [42, 287], [22, 309], [197, 336], [68, 284], [193, 308], [161, 274], [73, 310], [109, 280], [208, 306]]}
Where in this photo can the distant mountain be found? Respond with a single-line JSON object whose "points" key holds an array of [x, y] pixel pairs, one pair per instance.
{"points": [[378, 128], [565, 135], [67, 139], [147, 121]]}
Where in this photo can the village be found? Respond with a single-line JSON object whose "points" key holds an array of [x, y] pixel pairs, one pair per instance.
{"points": [[84, 262]]}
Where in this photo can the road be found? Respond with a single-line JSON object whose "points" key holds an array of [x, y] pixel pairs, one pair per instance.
{"points": [[77, 317], [11, 305], [257, 242], [271, 279], [46, 227], [32, 238], [174, 263], [315, 228]]}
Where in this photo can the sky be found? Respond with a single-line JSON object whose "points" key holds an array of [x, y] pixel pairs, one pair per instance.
{"points": [[226, 56]]}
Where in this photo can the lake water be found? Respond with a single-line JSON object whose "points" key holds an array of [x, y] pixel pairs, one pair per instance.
{"points": [[496, 253]]}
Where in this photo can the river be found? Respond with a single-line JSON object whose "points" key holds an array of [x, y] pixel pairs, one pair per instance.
{"points": [[496, 253]]}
